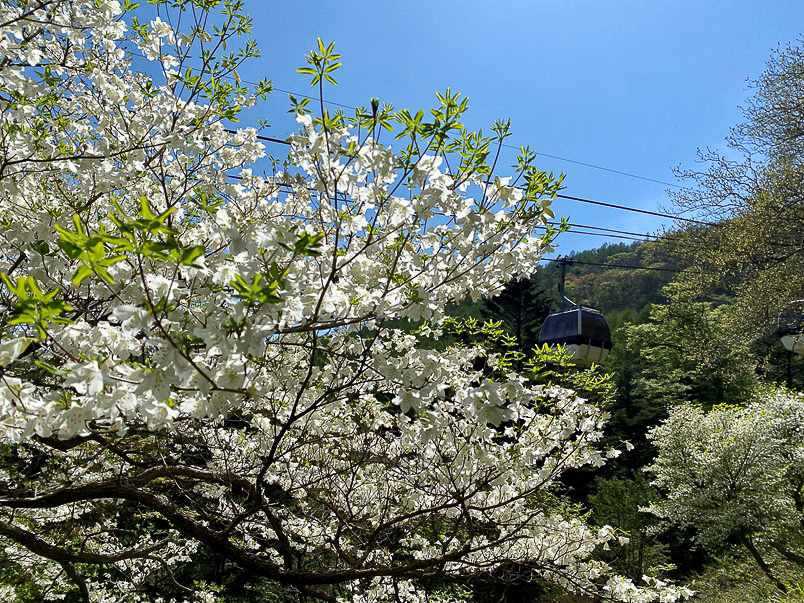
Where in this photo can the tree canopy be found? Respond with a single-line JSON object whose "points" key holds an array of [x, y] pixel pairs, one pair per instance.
{"points": [[199, 364], [753, 193], [736, 473]]}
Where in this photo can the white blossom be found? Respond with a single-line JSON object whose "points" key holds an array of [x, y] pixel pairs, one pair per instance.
{"points": [[216, 364]]}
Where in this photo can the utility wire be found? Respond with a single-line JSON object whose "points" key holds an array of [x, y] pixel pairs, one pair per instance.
{"points": [[560, 196], [623, 232], [559, 158], [510, 146], [635, 209], [261, 137], [600, 167], [597, 234], [571, 261], [305, 96], [623, 266]]}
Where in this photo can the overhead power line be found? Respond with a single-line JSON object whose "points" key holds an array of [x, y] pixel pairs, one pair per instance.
{"points": [[600, 167], [622, 232], [635, 209], [597, 234], [261, 137], [306, 96]]}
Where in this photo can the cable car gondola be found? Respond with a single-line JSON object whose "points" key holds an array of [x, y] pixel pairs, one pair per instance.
{"points": [[583, 331], [790, 327]]}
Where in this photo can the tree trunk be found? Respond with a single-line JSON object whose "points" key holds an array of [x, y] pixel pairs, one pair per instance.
{"points": [[789, 369], [788, 554], [761, 563]]}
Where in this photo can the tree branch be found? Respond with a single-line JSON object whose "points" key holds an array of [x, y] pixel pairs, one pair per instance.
{"points": [[44, 549]]}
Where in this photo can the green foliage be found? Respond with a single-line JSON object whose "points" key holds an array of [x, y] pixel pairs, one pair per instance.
{"points": [[545, 365], [322, 63], [305, 245], [148, 236], [33, 306], [518, 310], [686, 353], [298, 106], [260, 291], [152, 237], [90, 250], [553, 365], [264, 287], [488, 334], [521, 307], [735, 578], [683, 352], [618, 503]]}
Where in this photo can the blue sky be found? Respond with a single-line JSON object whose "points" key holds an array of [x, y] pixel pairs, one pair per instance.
{"points": [[630, 85]]}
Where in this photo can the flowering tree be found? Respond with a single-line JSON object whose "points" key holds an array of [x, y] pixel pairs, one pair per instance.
{"points": [[737, 474], [198, 362]]}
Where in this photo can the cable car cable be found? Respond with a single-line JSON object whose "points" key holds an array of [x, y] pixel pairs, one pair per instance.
{"points": [[623, 266], [557, 157], [558, 195], [616, 234]]}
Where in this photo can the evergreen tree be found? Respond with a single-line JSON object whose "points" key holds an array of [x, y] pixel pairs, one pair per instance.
{"points": [[522, 306]]}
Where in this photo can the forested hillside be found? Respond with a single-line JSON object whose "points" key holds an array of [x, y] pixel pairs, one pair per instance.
{"points": [[649, 266], [669, 350], [710, 488]]}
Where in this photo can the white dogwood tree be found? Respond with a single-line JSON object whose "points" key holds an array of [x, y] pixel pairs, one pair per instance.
{"points": [[736, 474], [198, 362]]}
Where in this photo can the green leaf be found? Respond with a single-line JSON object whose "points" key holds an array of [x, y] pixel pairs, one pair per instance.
{"points": [[40, 247], [190, 254], [71, 250], [80, 274]]}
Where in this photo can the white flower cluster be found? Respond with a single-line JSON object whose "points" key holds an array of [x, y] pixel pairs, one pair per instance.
{"points": [[733, 472], [176, 337]]}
